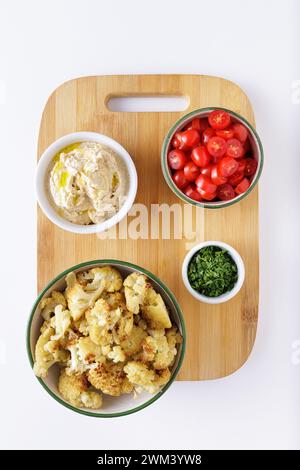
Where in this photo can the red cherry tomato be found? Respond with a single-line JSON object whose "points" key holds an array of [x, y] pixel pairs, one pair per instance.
{"points": [[216, 177], [216, 146], [175, 143], [242, 164], [179, 179], [219, 119], [191, 171], [206, 195], [225, 133], [205, 183], [206, 170], [234, 148], [182, 146], [225, 192], [228, 166], [195, 124], [240, 132], [242, 186], [176, 159], [191, 192], [200, 156], [190, 138], [250, 166], [207, 134], [236, 178]]}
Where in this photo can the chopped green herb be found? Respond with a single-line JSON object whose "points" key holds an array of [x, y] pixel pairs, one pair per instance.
{"points": [[212, 271]]}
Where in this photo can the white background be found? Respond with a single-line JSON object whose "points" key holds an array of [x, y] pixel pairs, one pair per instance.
{"points": [[254, 43]]}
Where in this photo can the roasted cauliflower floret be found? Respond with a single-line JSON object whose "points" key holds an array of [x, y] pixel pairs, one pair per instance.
{"points": [[133, 343], [101, 320], [80, 299], [74, 389], [107, 277], [110, 379], [158, 350], [136, 286], [61, 322], [48, 305], [47, 351], [117, 354], [123, 327], [145, 378], [83, 353], [155, 311]]}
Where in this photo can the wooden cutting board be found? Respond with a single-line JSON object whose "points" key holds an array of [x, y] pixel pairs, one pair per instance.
{"points": [[219, 338]]}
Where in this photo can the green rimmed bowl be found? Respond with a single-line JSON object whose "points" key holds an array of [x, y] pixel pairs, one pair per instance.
{"points": [[255, 142], [112, 406]]}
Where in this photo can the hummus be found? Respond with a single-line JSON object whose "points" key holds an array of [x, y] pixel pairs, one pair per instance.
{"points": [[88, 183]]}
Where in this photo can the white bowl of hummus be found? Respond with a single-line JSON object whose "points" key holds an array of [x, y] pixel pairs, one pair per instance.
{"points": [[86, 182]]}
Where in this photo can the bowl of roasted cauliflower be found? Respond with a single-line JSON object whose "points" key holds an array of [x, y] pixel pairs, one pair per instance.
{"points": [[106, 338]]}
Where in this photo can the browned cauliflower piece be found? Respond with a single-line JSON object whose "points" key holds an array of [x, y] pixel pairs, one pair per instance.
{"points": [[123, 327], [136, 286], [155, 311], [142, 377], [110, 379], [132, 344], [48, 304], [109, 278], [80, 299], [74, 389], [47, 352], [101, 320], [160, 349], [84, 352]]}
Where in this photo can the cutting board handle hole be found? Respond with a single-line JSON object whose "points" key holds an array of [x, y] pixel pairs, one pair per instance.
{"points": [[148, 104]]}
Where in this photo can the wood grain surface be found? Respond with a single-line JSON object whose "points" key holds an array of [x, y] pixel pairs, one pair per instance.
{"points": [[219, 338]]}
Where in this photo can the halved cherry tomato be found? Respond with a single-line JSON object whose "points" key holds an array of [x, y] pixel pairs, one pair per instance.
{"points": [[216, 177], [205, 183], [227, 166], [242, 164], [219, 119], [175, 143], [182, 146], [200, 156], [225, 192], [206, 170], [239, 174], [207, 134], [240, 132], [195, 124], [216, 146], [191, 171], [225, 133], [242, 186], [206, 195], [190, 138], [236, 178], [250, 166], [180, 179], [234, 148], [177, 159], [191, 192]]}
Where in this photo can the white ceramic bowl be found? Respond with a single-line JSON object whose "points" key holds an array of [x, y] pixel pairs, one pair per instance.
{"points": [[41, 184], [112, 406], [227, 295]]}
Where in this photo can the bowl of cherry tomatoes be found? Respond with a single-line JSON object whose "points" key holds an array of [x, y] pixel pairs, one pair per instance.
{"points": [[212, 157]]}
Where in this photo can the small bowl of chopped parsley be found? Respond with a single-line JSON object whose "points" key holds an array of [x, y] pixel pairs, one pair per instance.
{"points": [[213, 272]]}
